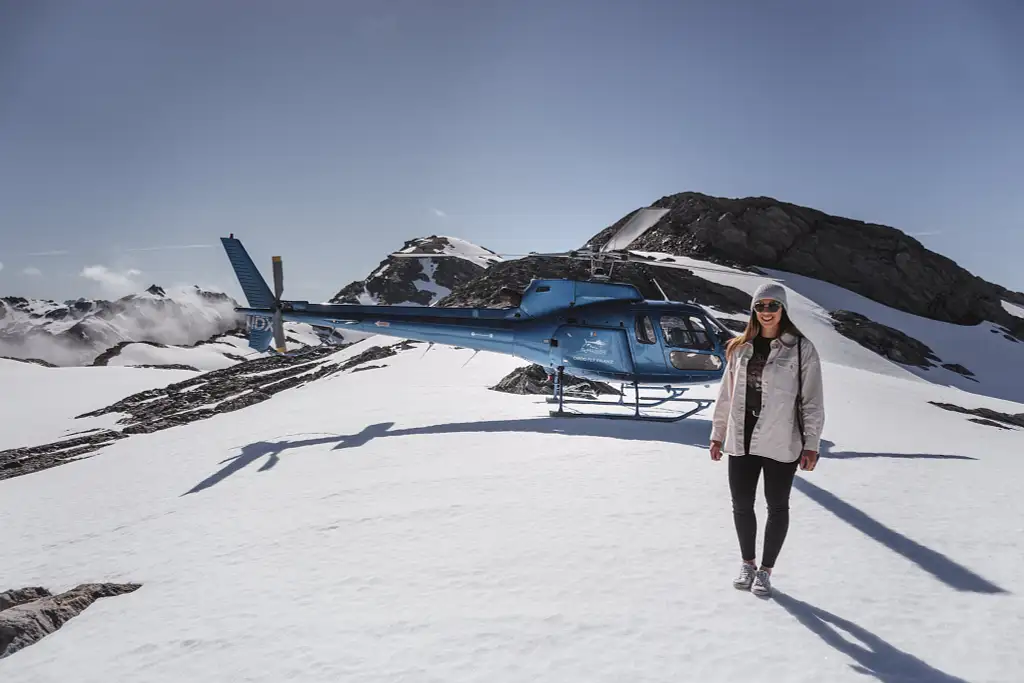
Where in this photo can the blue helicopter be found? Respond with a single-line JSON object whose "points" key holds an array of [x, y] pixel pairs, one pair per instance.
{"points": [[597, 330]]}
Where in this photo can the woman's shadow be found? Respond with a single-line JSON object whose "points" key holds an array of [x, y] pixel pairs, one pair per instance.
{"points": [[874, 656]]}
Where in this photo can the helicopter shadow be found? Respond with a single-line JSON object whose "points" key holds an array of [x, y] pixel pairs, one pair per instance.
{"points": [[694, 432]]}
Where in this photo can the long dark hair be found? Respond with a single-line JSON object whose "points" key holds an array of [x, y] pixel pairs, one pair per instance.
{"points": [[753, 329]]}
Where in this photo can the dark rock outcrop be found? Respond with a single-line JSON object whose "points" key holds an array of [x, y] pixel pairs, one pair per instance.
{"points": [[34, 361], [197, 398], [876, 261], [169, 366], [984, 413], [883, 340], [368, 367], [533, 379], [489, 290], [116, 349], [989, 423], [20, 596], [18, 461], [29, 621], [891, 343], [959, 369]]}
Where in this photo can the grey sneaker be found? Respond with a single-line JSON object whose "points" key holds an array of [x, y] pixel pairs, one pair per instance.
{"points": [[762, 584], [746, 577]]}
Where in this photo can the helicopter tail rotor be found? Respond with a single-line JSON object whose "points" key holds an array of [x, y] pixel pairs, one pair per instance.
{"points": [[266, 321]]}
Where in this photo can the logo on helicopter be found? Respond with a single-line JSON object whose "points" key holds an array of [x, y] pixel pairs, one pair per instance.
{"points": [[258, 323], [594, 346]]}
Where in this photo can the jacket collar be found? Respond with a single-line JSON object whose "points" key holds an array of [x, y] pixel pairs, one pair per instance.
{"points": [[786, 338]]}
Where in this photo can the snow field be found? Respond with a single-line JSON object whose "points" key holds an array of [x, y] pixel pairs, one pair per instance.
{"points": [[39, 404], [407, 523]]}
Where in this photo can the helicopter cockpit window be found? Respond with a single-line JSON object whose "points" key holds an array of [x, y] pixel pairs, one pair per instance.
{"points": [[701, 334], [645, 330], [685, 332]]}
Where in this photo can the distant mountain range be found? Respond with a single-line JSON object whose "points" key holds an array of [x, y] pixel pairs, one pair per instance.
{"points": [[77, 332], [759, 233]]}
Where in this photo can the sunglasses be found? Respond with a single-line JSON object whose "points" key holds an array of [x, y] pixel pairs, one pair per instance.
{"points": [[771, 306]]}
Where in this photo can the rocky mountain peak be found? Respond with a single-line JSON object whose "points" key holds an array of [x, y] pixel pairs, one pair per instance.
{"points": [[408, 279], [877, 261]]}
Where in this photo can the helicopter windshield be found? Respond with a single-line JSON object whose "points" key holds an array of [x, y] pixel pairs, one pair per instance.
{"points": [[686, 332]]}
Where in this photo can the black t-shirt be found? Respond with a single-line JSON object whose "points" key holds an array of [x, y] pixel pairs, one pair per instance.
{"points": [[755, 369]]}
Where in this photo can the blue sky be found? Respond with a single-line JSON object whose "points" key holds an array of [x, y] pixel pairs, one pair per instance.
{"points": [[131, 134]]}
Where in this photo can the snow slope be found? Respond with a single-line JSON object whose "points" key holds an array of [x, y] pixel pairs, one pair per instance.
{"points": [[221, 352], [997, 363], [1014, 309], [39, 404], [454, 246], [407, 523], [206, 357]]}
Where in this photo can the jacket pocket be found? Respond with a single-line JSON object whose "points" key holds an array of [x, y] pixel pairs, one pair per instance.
{"points": [[784, 376]]}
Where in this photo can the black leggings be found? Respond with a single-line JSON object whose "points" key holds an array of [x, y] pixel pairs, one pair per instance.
{"points": [[744, 471]]}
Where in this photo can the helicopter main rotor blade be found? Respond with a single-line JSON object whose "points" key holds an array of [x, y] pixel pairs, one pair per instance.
{"points": [[279, 339], [634, 257], [278, 278], [278, 321], [639, 223]]}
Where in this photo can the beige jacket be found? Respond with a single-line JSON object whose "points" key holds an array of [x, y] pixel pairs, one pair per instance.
{"points": [[777, 433]]}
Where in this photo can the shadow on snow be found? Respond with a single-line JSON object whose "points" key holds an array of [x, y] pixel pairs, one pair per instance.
{"points": [[874, 656], [952, 574], [693, 432]]}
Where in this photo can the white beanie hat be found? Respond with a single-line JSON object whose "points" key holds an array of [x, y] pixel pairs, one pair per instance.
{"points": [[769, 290]]}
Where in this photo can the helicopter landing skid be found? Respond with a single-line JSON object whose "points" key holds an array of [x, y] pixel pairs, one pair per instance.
{"points": [[675, 395]]}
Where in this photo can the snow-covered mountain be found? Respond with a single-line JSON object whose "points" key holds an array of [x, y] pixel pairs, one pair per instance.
{"points": [[199, 330], [189, 329], [420, 281], [878, 262], [77, 332]]}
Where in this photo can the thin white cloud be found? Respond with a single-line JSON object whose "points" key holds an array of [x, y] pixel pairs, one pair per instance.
{"points": [[112, 281], [926, 233], [58, 252], [439, 213], [171, 247], [33, 271], [1, 265]]}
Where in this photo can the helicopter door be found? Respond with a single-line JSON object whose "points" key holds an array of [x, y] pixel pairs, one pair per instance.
{"points": [[689, 345], [591, 349], [648, 355]]}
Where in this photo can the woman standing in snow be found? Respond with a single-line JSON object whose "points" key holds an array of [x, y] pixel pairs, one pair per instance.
{"points": [[768, 417]]}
